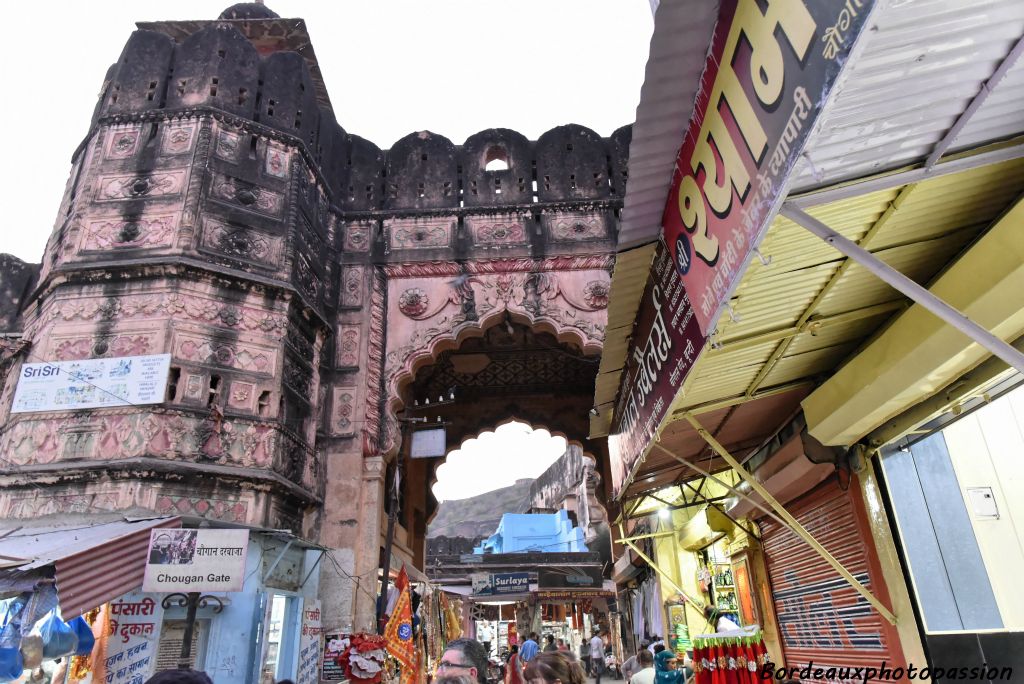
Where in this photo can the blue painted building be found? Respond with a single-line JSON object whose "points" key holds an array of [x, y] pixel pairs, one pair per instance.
{"points": [[544, 532]]}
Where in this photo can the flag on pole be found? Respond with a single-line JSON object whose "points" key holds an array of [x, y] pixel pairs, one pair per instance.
{"points": [[398, 633]]}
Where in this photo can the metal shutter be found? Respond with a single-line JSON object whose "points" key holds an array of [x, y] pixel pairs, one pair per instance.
{"points": [[821, 618]]}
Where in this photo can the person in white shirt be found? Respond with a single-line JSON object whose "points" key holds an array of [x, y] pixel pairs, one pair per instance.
{"points": [[645, 675], [718, 620], [597, 656]]}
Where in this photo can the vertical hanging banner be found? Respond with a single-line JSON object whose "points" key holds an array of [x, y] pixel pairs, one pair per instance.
{"points": [[768, 74]]}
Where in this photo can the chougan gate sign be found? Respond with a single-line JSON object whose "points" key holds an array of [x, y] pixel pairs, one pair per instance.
{"points": [[768, 75]]}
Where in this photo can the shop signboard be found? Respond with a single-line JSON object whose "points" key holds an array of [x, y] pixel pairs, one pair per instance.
{"points": [[334, 645], [767, 76], [429, 443], [91, 383], [196, 560], [131, 638], [570, 578], [310, 648], [500, 583], [572, 594], [665, 344]]}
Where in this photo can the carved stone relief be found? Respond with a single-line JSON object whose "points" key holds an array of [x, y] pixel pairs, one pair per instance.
{"points": [[147, 185], [491, 231], [117, 233], [576, 227], [228, 146], [343, 412], [277, 161], [352, 286], [123, 142], [245, 356], [420, 233], [348, 346], [177, 139], [242, 243], [358, 237], [245, 195]]}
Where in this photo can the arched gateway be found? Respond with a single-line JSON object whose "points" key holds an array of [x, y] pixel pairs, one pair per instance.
{"points": [[306, 285]]}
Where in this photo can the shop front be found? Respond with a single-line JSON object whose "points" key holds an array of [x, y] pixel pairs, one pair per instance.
{"points": [[151, 595]]}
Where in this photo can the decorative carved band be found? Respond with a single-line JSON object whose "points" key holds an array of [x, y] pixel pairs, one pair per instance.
{"points": [[558, 263]]}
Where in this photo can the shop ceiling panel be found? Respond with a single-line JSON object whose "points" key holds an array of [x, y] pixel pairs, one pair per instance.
{"points": [[806, 364], [949, 203], [918, 71], [920, 262], [837, 334]]}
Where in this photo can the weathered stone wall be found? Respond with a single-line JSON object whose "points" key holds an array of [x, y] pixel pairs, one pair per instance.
{"points": [[298, 275]]}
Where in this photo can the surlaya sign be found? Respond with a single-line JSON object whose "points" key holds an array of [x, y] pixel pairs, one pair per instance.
{"points": [[767, 76]]}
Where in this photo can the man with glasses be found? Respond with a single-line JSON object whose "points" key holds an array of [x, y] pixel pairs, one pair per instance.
{"points": [[464, 657]]}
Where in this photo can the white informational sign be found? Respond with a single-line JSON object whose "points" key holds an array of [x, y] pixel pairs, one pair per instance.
{"points": [[91, 383], [430, 443], [310, 644], [196, 560], [133, 636]]}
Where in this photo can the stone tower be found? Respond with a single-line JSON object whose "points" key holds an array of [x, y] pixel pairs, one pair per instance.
{"points": [[299, 276]]}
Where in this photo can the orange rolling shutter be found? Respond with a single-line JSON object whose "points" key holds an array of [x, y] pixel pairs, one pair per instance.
{"points": [[821, 618]]}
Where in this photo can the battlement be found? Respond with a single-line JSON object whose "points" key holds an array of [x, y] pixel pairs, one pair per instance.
{"points": [[214, 65]]}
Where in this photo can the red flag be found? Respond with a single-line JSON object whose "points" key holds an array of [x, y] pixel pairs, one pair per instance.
{"points": [[398, 633]]}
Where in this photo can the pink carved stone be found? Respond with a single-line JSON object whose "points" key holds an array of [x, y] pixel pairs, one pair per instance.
{"points": [[348, 346], [177, 139], [277, 159], [123, 142]]}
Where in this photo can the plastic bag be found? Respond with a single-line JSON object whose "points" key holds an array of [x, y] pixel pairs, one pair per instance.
{"points": [[32, 651], [83, 631], [59, 639], [11, 662]]}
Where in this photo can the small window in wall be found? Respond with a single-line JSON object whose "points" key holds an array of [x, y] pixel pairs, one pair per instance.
{"points": [[173, 378], [263, 404], [496, 159], [211, 397]]}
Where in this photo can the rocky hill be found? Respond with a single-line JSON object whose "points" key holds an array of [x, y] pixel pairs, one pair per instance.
{"points": [[478, 516]]}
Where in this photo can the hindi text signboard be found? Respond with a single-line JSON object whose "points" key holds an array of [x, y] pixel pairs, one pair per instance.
{"points": [[91, 383], [768, 75], [132, 637], [310, 647], [196, 560], [665, 344]]}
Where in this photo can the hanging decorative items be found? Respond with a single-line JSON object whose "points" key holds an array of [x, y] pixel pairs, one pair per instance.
{"points": [[363, 658]]}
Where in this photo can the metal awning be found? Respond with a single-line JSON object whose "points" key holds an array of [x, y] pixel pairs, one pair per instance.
{"points": [[91, 564], [911, 95]]}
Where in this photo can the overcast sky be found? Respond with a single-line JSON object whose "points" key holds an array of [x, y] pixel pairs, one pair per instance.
{"points": [[497, 459], [391, 67]]}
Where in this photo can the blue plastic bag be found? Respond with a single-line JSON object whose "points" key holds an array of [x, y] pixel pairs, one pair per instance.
{"points": [[11, 662], [83, 631], [59, 639]]}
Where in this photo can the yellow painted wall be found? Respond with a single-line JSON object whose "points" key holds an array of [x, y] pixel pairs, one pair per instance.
{"points": [[987, 450]]}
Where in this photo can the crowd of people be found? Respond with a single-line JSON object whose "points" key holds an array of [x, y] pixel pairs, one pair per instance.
{"points": [[466, 661]]}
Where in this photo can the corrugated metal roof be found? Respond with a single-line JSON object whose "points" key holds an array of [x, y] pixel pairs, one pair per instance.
{"points": [[800, 317], [921, 64], [679, 47], [94, 563]]}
